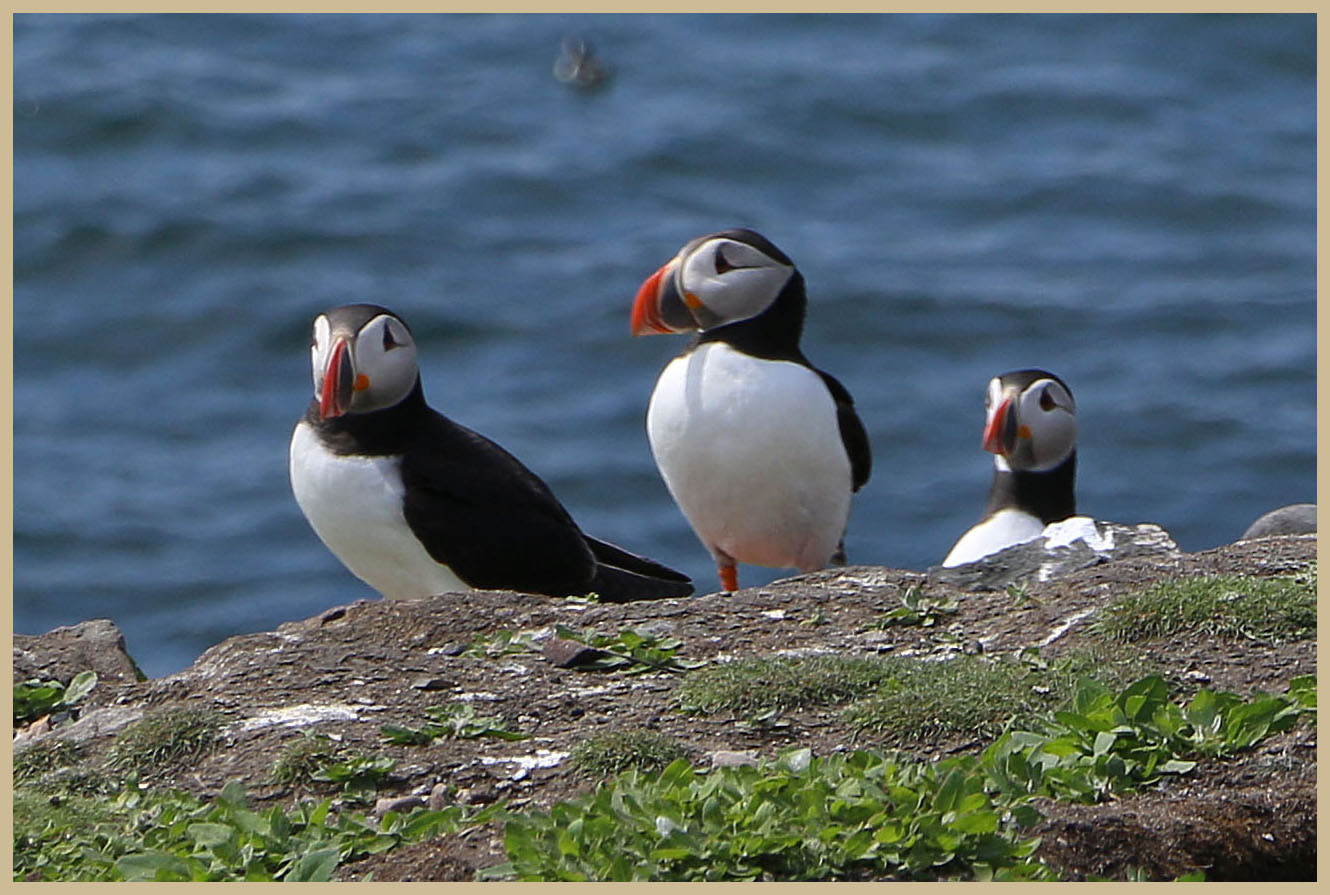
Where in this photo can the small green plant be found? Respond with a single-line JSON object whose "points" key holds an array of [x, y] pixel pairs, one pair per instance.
{"points": [[754, 687], [304, 756], [630, 651], [318, 758], [1020, 594], [815, 619], [1303, 691], [612, 753], [356, 774], [35, 698], [1224, 606], [162, 737], [917, 609], [457, 720], [501, 643]]}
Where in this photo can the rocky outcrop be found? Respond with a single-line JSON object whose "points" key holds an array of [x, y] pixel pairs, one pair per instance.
{"points": [[60, 654], [354, 668]]}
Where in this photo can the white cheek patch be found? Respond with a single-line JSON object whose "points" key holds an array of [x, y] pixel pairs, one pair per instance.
{"points": [[744, 293], [1052, 432], [748, 283], [1053, 436]]}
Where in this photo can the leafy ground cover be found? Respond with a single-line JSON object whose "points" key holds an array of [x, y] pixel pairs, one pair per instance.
{"points": [[128, 833], [869, 815]]}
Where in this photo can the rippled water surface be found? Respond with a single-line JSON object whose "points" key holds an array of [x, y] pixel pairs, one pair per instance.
{"points": [[1128, 201]]}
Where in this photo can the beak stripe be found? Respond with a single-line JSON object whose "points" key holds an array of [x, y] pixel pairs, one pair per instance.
{"points": [[337, 382], [996, 427]]}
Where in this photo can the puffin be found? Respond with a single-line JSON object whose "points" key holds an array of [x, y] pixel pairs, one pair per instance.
{"points": [[415, 504], [1030, 427], [760, 449]]}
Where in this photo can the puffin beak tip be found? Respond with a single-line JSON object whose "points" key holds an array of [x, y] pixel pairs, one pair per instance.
{"points": [[646, 319]]}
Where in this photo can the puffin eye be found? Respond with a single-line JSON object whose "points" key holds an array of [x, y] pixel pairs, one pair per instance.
{"points": [[722, 263], [1046, 400], [389, 343]]}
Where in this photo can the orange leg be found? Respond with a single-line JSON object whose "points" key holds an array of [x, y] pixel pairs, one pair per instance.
{"points": [[725, 568]]}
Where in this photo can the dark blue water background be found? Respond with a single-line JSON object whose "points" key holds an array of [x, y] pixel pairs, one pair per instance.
{"points": [[1128, 201]]}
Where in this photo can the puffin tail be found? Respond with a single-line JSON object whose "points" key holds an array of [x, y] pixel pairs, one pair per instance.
{"points": [[622, 576]]}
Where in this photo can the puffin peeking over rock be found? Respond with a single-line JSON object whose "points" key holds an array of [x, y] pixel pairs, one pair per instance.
{"points": [[760, 449], [415, 504], [1030, 427]]}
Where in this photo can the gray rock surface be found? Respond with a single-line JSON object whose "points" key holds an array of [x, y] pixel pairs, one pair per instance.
{"points": [[1294, 519], [61, 653]]}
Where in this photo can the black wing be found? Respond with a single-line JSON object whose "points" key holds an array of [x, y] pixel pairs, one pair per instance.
{"points": [[478, 510], [852, 433]]}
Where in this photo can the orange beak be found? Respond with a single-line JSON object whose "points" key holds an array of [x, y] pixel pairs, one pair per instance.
{"points": [[997, 439], [1000, 432], [338, 382], [646, 307]]}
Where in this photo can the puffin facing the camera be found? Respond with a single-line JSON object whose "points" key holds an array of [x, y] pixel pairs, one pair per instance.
{"points": [[760, 449], [1030, 425], [415, 504]]}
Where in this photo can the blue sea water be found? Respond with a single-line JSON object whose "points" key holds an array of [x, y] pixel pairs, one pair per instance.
{"points": [[1128, 201]]}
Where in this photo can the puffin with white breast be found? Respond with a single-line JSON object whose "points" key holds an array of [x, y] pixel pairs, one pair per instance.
{"points": [[1030, 427], [415, 504], [760, 449]]}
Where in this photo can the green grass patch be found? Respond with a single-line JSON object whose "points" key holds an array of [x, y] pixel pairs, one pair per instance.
{"points": [[978, 696], [1229, 607], [163, 737], [907, 698], [44, 757], [759, 685], [616, 751], [963, 695], [316, 759], [304, 757]]}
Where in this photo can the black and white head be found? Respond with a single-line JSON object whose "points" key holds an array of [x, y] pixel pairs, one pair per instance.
{"points": [[364, 360], [1031, 420], [715, 279]]}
